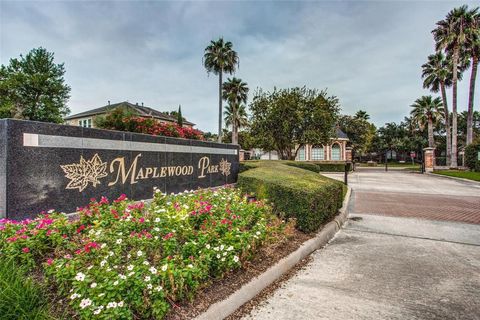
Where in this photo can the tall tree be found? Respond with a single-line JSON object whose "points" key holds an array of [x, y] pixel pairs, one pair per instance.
{"points": [[237, 118], [179, 116], [437, 75], [473, 51], [426, 112], [33, 88], [219, 57], [450, 35], [235, 92]]}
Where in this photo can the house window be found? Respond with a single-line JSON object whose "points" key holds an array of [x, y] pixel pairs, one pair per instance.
{"points": [[317, 153], [336, 152], [86, 123], [301, 154]]}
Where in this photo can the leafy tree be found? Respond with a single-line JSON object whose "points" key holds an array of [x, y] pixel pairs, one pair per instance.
{"points": [[245, 139], [208, 136], [32, 87], [426, 112], [359, 131], [473, 52], [219, 57], [361, 114], [286, 119], [450, 35], [235, 92]]}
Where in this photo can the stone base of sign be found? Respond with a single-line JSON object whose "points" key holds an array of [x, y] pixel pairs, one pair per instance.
{"points": [[429, 158], [48, 166], [224, 308]]}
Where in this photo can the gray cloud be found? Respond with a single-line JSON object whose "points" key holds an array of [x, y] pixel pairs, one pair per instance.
{"points": [[367, 53]]}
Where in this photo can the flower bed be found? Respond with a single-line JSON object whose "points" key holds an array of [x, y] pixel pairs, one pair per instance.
{"points": [[125, 260]]}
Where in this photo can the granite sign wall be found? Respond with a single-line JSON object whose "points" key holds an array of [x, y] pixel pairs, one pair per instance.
{"points": [[47, 166]]}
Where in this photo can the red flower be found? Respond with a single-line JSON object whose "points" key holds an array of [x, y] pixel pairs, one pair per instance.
{"points": [[49, 261], [26, 250], [82, 227]]}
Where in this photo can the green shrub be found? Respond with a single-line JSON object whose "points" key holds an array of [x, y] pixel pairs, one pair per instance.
{"points": [[294, 192], [471, 156], [320, 166]]}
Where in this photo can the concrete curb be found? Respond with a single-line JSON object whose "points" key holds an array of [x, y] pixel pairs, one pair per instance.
{"points": [[454, 178], [224, 308]]}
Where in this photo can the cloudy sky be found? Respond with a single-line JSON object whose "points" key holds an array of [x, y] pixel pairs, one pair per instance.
{"points": [[368, 53]]}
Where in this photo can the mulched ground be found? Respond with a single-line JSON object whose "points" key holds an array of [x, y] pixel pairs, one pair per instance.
{"points": [[219, 289]]}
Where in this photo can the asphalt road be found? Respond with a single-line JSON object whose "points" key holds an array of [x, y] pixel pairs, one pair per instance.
{"points": [[402, 263]]}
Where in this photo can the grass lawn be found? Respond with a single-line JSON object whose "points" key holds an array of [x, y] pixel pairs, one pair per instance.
{"points": [[475, 176]]}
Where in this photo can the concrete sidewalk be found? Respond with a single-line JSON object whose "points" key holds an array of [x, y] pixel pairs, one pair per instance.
{"points": [[379, 268]]}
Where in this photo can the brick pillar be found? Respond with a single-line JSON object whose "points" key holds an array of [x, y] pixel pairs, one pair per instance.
{"points": [[348, 154], [429, 154]]}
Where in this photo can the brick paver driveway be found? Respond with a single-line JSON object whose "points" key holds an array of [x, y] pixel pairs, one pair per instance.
{"points": [[408, 194]]}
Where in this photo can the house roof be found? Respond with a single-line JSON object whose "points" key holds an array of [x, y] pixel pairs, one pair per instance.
{"points": [[140, 110], [340, 134]]}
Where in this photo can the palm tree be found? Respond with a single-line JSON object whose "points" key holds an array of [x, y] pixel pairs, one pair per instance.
{"points": [[236, 116], [473, 52], [450, 35], [235, 92], [361, 114], [437, 74], [219, 57], [426, 111]]}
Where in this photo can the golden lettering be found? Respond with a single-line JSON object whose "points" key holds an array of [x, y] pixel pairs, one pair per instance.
{"points": [[184, 170], [148, 172], [140, 174], [163, 172], [121, 170], [203, 164], [155, 175]]}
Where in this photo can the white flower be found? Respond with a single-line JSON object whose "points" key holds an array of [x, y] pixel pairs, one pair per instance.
{"points": [[164, 267], [146, 263], [97, 311], [190, 266], [119, 241], [225, 253], [230, 248], [74, 296], [103, 263], [257, 233], [216, 249], [235, 258], [85, 303], [51, 211], [93, 285], [103, 245], [159, 288], [156, 229], [129, 256], [122, 276], [139, 253], [130, 268], [156, 237], [218, 256], [223, 259], [222, 247], [111, 305], [110, 253], [115, 267], [131, 274], [90, 267], [109, 269], [149, 286], [207, 246], [80, 276], [120, 304], [153, 270], [115, 282], [147, 278], [157, 220]]}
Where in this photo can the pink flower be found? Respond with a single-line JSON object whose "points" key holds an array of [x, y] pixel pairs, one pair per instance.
{"points": [[26, 250], [104, 200], [49, 261]]}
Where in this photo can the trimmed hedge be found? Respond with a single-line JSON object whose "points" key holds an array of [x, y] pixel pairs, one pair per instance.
{"points": [[294, 192], [321, 166], [471, 156]]}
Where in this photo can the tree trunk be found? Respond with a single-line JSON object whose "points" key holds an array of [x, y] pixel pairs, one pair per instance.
{"points": [[448, 129], [220, 100], [454, 108], [471, 96], [234, 125], [431, 142]]}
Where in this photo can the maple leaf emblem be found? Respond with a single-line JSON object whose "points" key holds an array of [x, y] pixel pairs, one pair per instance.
{"points": [[80, 174], [224, 167]]}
